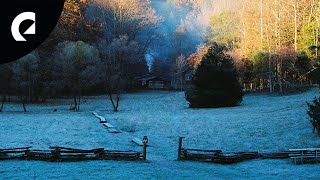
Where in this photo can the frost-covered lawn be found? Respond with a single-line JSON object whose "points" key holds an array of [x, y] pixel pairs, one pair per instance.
{"points": [[262, 123]]}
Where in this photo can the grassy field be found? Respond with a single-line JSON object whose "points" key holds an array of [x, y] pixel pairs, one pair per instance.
{"points": [[261, 123]]}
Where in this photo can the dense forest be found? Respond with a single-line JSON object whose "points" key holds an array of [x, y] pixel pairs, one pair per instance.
{"points": [[102, 46], [278, 40]]}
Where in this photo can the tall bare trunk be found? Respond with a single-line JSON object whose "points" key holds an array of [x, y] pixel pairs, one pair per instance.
{"points": [[270, 68], [317, 37], [261, 24], [295, 26], [75, 103], [280, 77], [270, 76]]}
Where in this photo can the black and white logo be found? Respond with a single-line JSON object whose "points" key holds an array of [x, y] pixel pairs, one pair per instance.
{"points": [[26, 25], [15, 27]]}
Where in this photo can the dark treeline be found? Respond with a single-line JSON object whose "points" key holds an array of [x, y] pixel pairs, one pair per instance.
{"points": [[98, 47]]}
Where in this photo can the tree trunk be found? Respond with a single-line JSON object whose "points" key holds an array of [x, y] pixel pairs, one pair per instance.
{"points": [[271, 74], [79, 103], [261, 24], [317, 39], [181, 83], [78, 99], [115, 104], [280, 77], [295, 26], [2, 103], [261, 84], [75, 103], [270, 82], [270, 70], [24, 105]]}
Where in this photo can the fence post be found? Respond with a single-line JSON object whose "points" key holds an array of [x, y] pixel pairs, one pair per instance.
{"points": [[145, 143], [180, 148], [55, 154], [26, 153]]}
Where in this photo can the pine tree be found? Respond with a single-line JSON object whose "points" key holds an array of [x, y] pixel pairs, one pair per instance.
{"points": [[215, 83]]}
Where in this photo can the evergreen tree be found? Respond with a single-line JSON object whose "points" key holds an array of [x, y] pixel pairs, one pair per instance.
{"points": [[303, 65], [315, 74], [314, 114], [215, 83]]}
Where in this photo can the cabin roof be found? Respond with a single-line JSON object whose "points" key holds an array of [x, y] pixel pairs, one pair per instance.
{"points": [[150, 77]]}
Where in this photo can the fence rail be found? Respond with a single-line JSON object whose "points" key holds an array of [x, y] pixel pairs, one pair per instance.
{"points": [[63, 154], [218, 156]]}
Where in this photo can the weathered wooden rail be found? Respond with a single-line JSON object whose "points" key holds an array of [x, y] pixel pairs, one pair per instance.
{"points": [[218, 156], [63, 154], [306, 155]]}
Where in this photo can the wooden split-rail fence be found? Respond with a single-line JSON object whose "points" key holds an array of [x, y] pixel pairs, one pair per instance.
{"points": [[299, 156], [306, 155], [63, 154]]}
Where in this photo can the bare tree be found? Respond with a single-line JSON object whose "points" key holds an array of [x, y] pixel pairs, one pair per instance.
{"points": [[118, 58], [179, 69], [114, 87], [130, 30], [127, 17]]}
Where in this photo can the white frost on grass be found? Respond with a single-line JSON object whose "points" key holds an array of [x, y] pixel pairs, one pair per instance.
{"points": [[261, 123]]}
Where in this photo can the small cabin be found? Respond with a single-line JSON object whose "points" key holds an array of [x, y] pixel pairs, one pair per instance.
{"points": [[153, 82]]}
